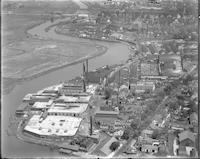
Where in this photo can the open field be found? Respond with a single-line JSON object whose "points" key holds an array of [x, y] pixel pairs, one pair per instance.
{"points": [[34, 56]]}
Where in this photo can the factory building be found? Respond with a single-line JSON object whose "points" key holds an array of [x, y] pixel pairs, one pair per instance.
{"points": [[142, 86], [64, 126], [68, 109]]}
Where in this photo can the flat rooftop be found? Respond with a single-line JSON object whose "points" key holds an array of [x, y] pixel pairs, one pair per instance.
{"points": [[53, 125], [72, 99], [75, 108], [41, 105]]}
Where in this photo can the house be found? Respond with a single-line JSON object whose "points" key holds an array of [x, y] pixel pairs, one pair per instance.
{"points": [[179, 126], [186, 151], [103, 114], [187, 143], [146, 140], [147, 133], [142, 86], [149, 149], [187, 138], [194, 119]]}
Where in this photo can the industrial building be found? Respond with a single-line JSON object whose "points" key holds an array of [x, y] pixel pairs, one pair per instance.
{"points": [[68, 109], [72, 99], [142, 86], [39, 106], [53, 125], [106, 114]]}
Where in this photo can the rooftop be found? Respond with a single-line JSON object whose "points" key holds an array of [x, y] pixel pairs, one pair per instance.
{"points": [[53, 88], [40, 105], [68, 108], [151, 147], [187, 135], [54, 125], [72, 99], [107, 112]]}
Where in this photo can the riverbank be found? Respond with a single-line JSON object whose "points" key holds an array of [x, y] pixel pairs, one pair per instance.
{"points": [[12, 82], [9, 83]]}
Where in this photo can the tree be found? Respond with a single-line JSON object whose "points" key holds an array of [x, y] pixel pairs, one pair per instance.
{"points": [[134, 124], [107, 93], [126, 134], [187, 79], [114, 146], [167, 89]]}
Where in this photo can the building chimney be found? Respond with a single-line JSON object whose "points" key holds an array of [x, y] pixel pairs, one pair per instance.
{"points": [[87, 66], [91, 125], [84, 86], [129, 76], [83, 69]]}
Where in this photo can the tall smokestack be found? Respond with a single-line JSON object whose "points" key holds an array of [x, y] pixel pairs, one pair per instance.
{"points": [[90, 125], [182, 58], [86, 73], [84, 87], [129, 76], [87, 65], [83, 69]]}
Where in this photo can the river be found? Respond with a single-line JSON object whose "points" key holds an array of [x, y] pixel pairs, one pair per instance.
{"points": [[11, 146]]}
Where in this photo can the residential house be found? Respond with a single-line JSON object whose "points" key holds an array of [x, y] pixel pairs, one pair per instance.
{"points": [[146, 140], [143, 86], [149, 149], [186, 151], [187, 138], [147, 133], [187, 141], [194, 119]]}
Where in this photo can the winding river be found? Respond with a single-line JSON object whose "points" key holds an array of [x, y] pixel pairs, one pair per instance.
{"points": [[11, 146]]}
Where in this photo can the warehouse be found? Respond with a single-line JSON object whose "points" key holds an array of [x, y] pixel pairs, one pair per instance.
{"points": [[53, 125]]}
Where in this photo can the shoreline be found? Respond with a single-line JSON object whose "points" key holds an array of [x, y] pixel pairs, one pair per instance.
{"points": [[7, 88], [12, 82], [16, 81]]}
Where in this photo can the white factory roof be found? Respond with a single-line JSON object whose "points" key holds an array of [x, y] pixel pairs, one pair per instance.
{"points": [[54, 125], [75, 108], [55, 87], [71, 99], [27, 97], [41, 105], [51, 88]]}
